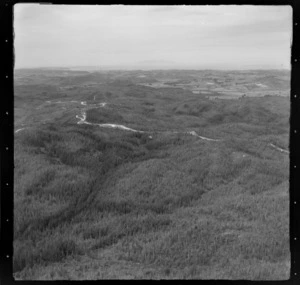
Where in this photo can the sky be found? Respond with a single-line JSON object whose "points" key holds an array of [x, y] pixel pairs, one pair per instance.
{"points": [[146, 37]]}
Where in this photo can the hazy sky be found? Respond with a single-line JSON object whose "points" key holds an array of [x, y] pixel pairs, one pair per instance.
{"points": [[217, 37]]}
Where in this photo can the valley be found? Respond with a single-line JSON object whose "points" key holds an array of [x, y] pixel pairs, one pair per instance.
{"points": [[158, 174]]}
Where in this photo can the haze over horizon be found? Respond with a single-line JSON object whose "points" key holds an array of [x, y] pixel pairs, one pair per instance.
{"points": [[153, 37]]}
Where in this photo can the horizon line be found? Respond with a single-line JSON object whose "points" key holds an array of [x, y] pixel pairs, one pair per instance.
{"points": [[114, 68]]}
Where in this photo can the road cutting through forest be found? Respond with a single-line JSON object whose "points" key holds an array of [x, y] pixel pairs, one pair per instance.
{"points": [[82, 120], [18, 130], [278, 148]]}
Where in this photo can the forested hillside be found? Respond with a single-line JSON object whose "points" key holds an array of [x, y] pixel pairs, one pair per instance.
{"points": [[198, 188]]}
